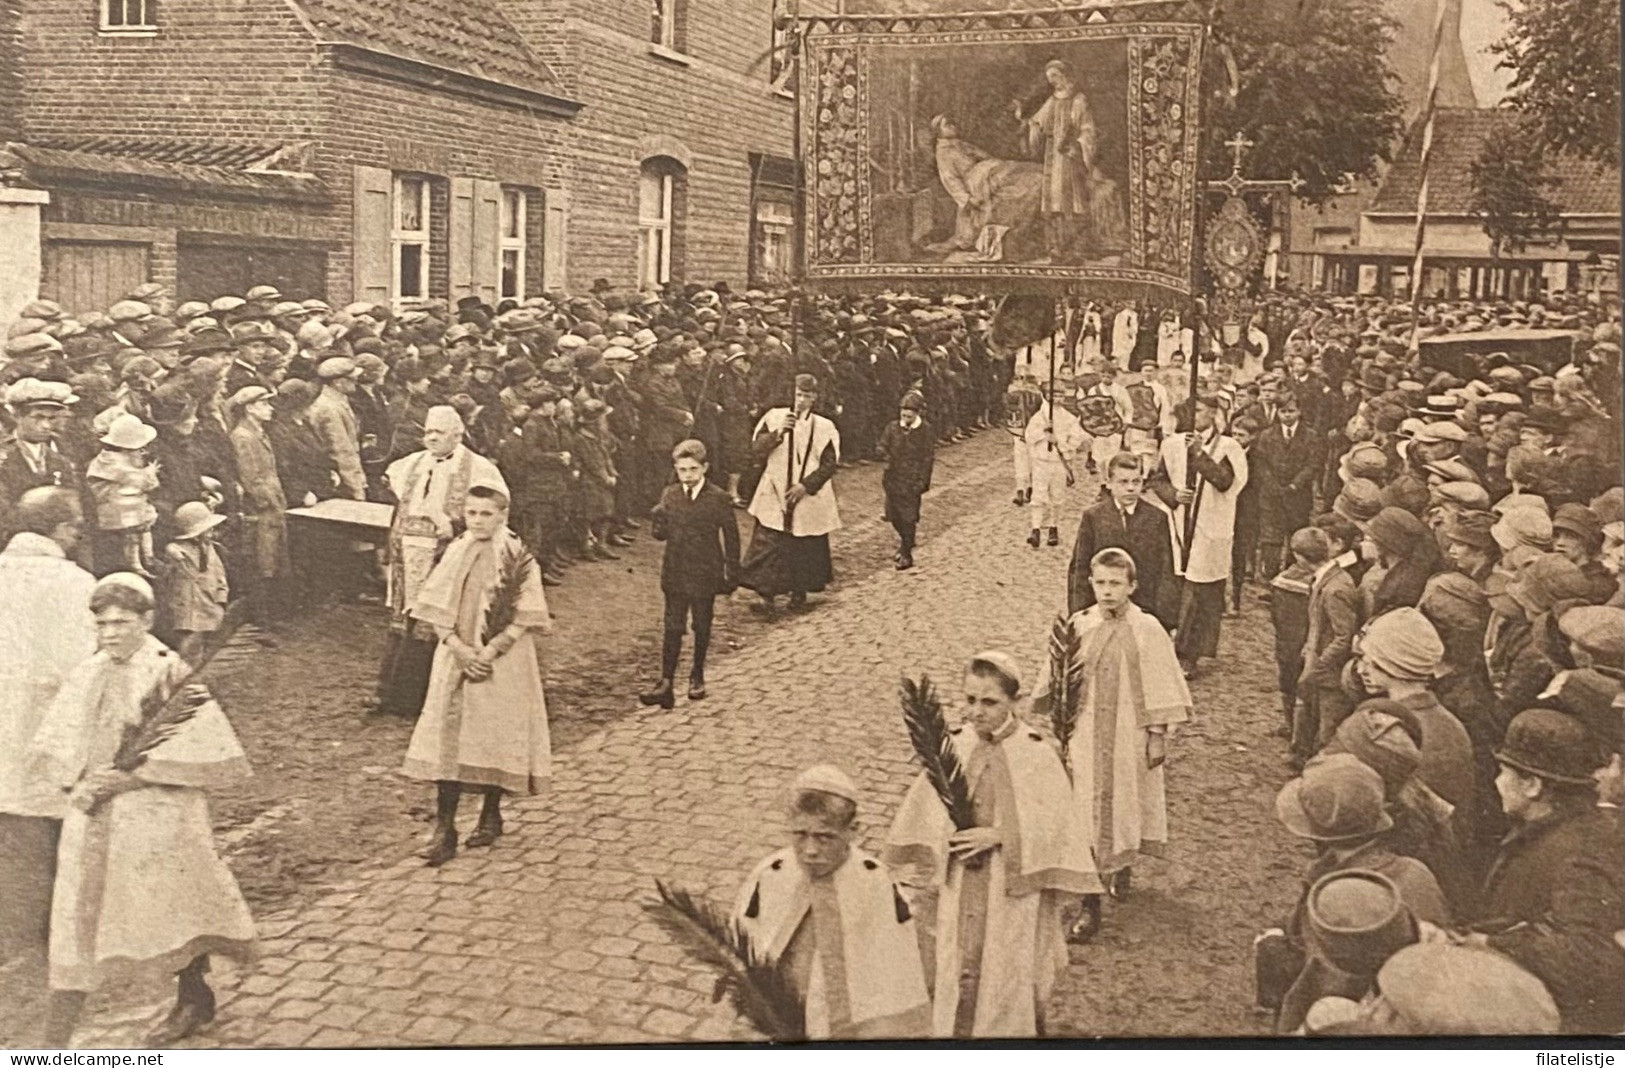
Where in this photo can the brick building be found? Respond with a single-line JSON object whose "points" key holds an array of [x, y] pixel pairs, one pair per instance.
{"points": [[396, 149]]}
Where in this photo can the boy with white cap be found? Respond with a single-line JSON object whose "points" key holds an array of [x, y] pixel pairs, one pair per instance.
{"points": [[832, 914], [1003, 881]]}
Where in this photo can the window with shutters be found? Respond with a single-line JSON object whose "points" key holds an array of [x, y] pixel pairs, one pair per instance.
{"points": [[409, 238], [511, 243], [129, 16], [655, 186]]}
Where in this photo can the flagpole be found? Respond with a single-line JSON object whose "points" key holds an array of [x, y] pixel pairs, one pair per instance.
{"points": [[1429, 111]]}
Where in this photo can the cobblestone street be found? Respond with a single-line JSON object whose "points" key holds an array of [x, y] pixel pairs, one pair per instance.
{"points": [[542, 938]]}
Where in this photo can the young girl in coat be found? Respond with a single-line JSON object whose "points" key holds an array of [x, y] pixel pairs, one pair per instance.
{"points": [[120, 479], [194, 591]]}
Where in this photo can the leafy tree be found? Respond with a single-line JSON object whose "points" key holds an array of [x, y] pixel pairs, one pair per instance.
{"points": [[1315, 91], [1564, 55], [1510, 183]]}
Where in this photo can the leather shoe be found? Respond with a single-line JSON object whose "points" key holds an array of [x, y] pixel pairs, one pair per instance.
{"points": [[485, 833], [620, 541], [442, 847], [696, 689], [661, 695], [184, 1020], [1087, 925], [1118, 887], [602, 553], [1033, 539], [1054, 536]]}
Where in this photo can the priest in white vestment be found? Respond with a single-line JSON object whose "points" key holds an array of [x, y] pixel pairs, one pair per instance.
{"points": [[794, 505]]}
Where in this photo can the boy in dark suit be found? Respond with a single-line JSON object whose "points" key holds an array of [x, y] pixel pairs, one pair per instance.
{"points": [[1121, 520], [696, 521], [1287, 459], [910, 452]]}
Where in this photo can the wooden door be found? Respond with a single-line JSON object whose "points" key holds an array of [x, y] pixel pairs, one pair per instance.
{"points": [[87, 276]]}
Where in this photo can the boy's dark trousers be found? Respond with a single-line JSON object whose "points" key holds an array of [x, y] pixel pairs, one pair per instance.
{"points": [[679, 607]]}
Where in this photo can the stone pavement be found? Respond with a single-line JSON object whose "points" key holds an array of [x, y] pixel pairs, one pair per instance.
{"points": [[542, 938]]}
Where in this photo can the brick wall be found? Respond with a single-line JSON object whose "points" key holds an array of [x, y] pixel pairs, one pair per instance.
{"points": [[714, 105], [217, 70], [11, 70], [378, 122]]}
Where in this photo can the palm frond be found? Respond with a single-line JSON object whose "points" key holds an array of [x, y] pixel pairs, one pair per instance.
{"points": [[759, 989], [504, 606], [166, 708], [934, 745], [1066, 681]]}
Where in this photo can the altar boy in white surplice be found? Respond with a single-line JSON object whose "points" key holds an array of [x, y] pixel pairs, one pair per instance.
{"points": [[1133, 693]]}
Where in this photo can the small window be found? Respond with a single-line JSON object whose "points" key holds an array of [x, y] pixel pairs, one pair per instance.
{"points": [[511, 244], [654, 226], [775, 221], [126, 15], [663, 30], [409, 240]]}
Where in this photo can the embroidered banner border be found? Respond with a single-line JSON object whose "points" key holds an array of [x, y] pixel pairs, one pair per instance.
{"points": [[842, 107]]}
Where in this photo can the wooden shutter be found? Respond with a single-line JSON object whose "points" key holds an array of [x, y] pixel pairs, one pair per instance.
{"points": [[460, 251], [85, 276], [371, 268], [487, 232], [555, 264]]}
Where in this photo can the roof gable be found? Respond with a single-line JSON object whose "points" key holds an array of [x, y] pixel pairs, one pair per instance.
{"points": [[469, 37], [1583, 187]]}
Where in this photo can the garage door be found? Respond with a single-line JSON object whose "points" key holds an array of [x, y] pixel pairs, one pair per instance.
{"points": [[86, 276]]}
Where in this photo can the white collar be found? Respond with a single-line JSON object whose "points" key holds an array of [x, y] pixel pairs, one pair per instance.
{"points": [[694, 494]]}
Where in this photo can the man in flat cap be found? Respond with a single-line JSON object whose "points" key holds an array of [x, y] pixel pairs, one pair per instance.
{"points": [[794, 506], [1003, 882], [832, 914], [335, 423], [39, 410]]}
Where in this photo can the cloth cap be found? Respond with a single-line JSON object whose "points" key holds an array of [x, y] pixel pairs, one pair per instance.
{"points": [[1546, 580], [128, 580], [1366, 461], [1523, 525], [1357, 920], [1593, 697], [1439, 988], [19, 327], [32, 345], [128, 311], [1397, 530], [49, 310], [1003, 662], [268, 294], [31, 392], [1550, 744], [1580, 521], [1463, 494], [128, 432], [1376, 734], [1597, 629], [1404, 644], [337, 367], [288, 307], [1442, 431], [461, 330], [1333, 801], [826, 779], [1359, 501], [252, 330], [247, 395], [1609, 505]]}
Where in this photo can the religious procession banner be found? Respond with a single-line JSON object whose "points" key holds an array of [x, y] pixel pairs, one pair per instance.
{"points": [[1028, 152]]}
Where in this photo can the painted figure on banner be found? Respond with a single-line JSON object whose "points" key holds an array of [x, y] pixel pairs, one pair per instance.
{"points": [[1082, 208]]}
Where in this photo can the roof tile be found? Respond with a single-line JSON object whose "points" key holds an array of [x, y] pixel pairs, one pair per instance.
{"points": [[1583, 187], [468, 36]]}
